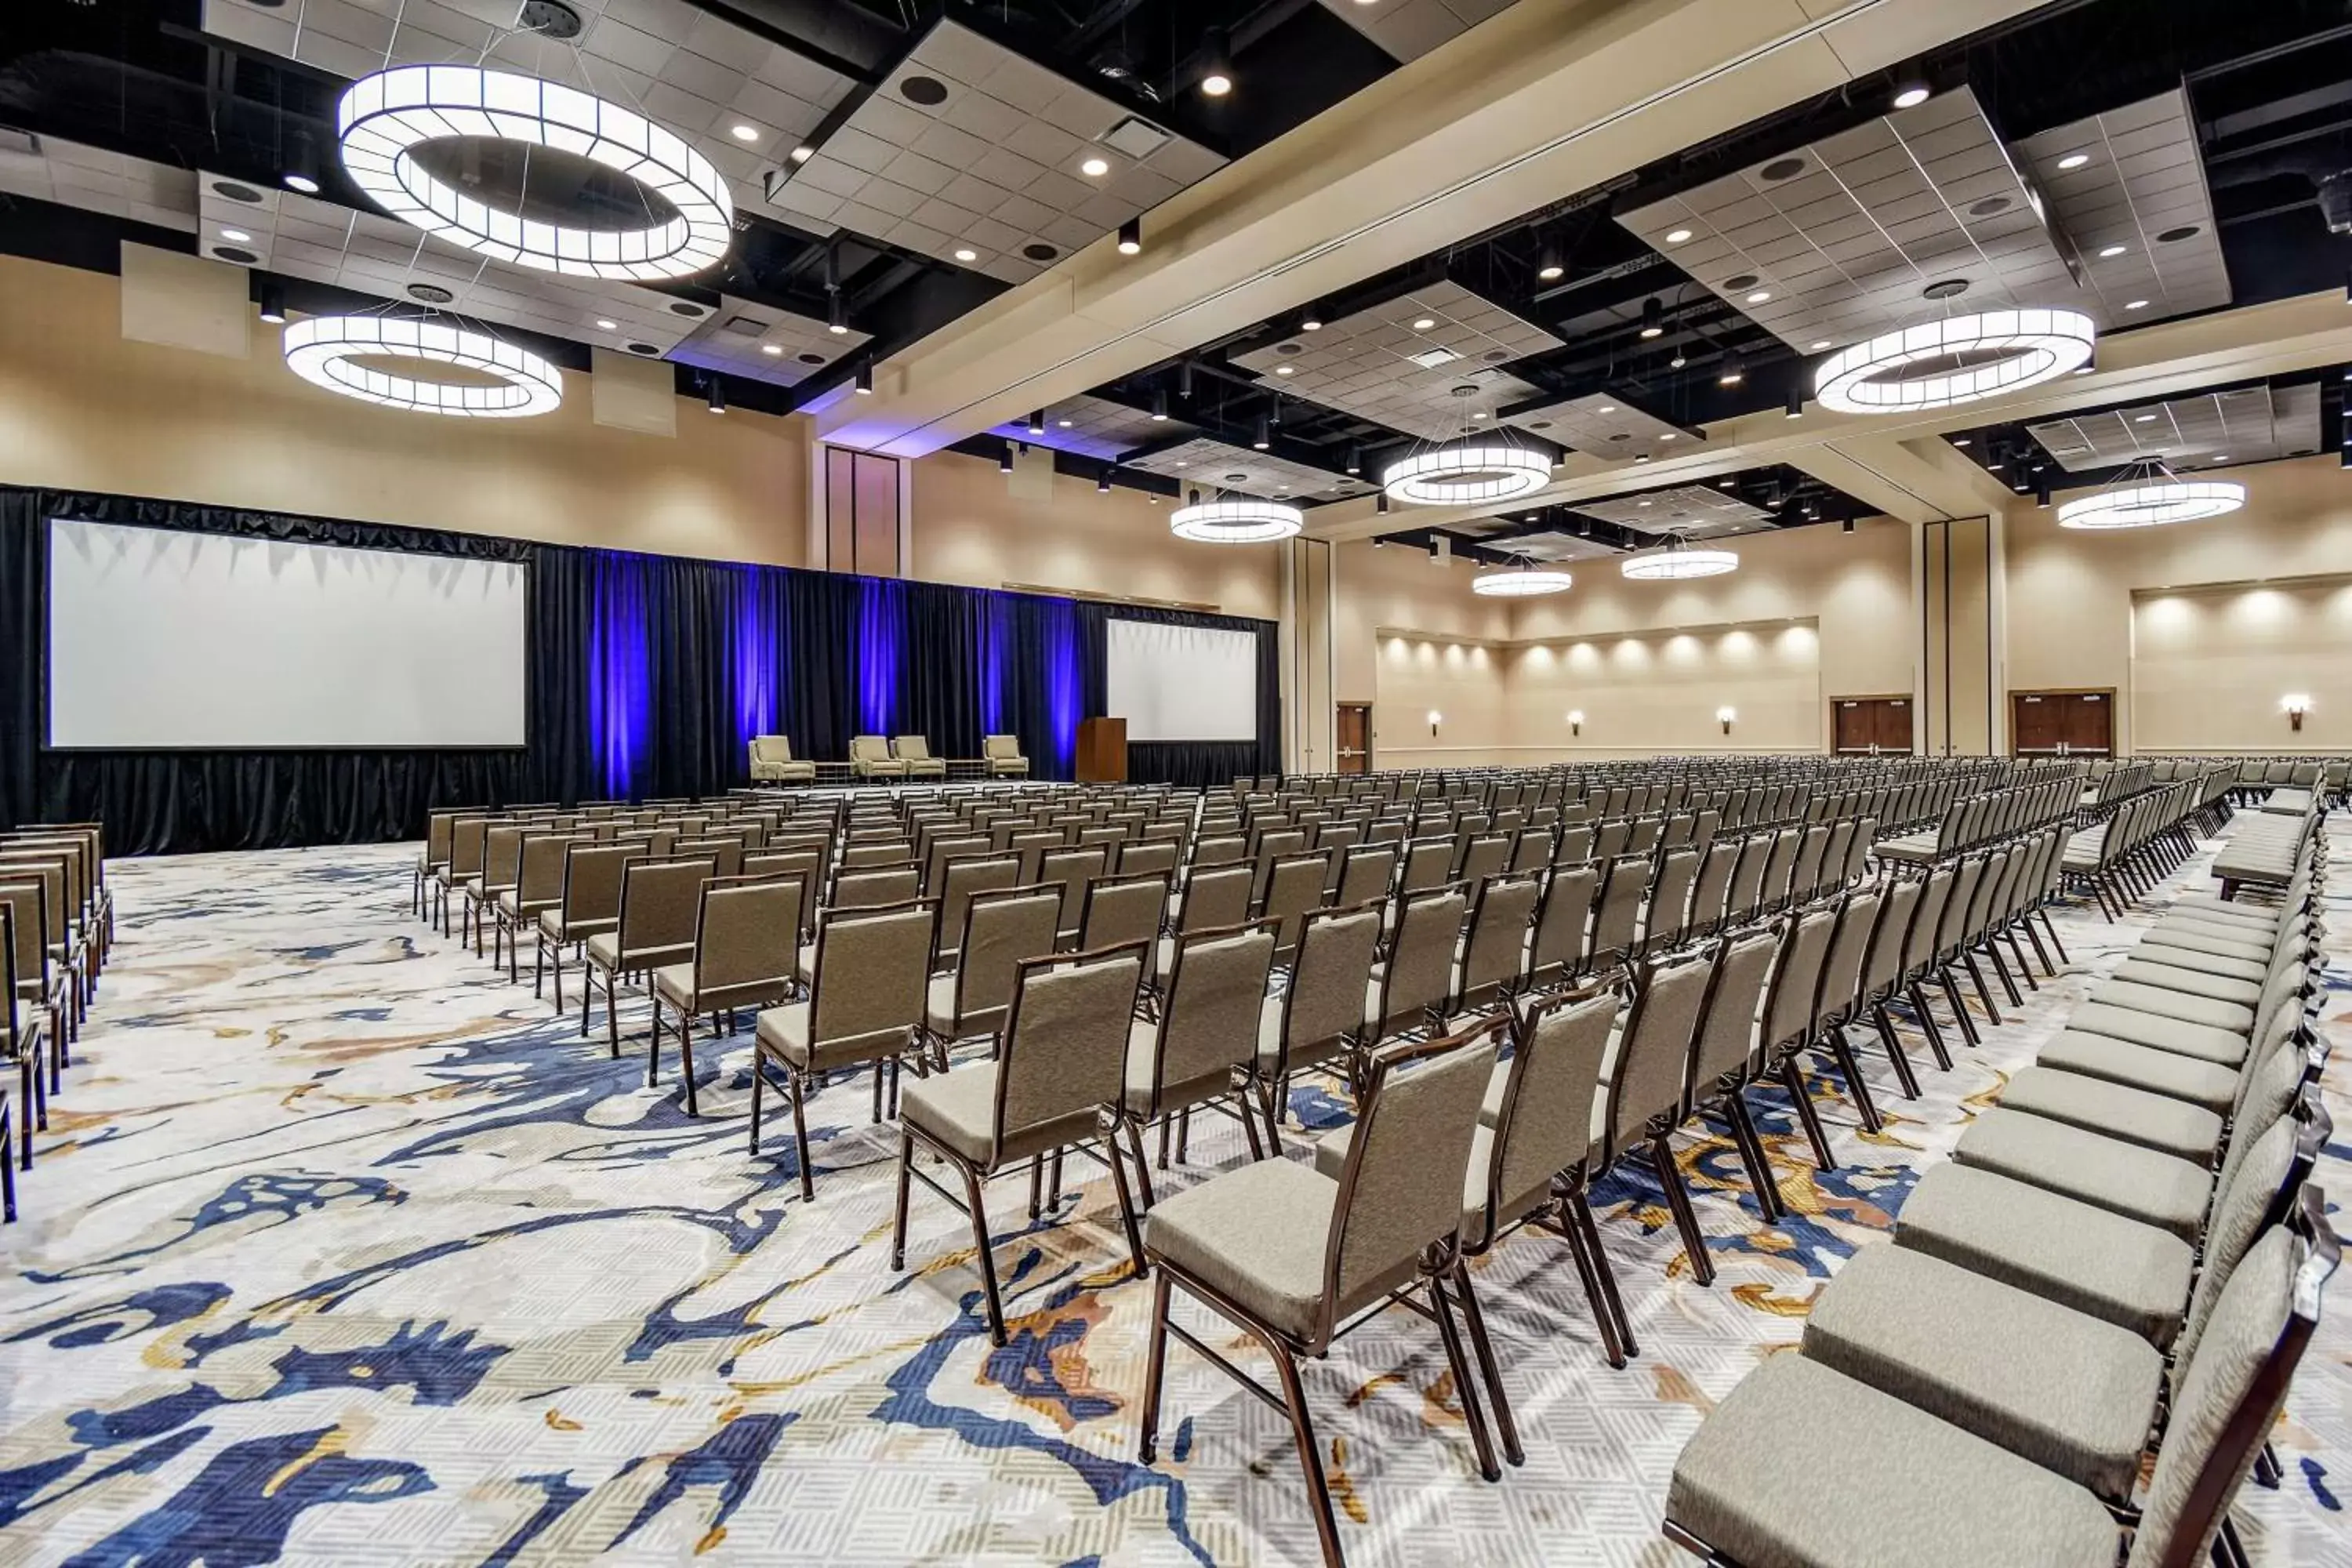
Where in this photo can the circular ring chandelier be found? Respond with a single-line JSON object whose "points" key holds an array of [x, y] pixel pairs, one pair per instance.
{"points": [[1237, 519], [325, 350], [1520, 581], [1959, 360], [1677, 561], [1466, 476], [2162, 500], [384, 119]]}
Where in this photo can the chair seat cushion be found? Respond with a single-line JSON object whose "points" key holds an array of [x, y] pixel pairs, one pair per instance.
{"points": [[2112, 1110], [605, 950], [2107, 1172], [2237, 1018], [2224, 1047], [2192, 983], [1750, 1484], [2143, 1067], [674, 983], [2215, 904], [2197, 939], [2182, 960], [958, 1108], [2124, 1272], [1255, 1235], [784, 1031], [2071, 1394]]}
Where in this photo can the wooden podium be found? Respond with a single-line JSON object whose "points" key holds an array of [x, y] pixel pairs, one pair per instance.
{"points": [[1102, 751]]}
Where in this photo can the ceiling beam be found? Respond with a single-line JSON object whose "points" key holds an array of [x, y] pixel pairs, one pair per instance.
{"points": [[1470, 136]]}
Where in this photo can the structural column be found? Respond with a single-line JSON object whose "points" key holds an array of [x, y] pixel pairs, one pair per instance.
{"points": [[1310, 716], [1960, 689]]}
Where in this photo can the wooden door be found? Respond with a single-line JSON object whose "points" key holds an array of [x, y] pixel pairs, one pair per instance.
{"points": [[2062, 724], [1355, 738], [1862, 726]]}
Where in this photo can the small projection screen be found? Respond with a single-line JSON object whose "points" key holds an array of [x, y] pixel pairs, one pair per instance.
{"points": [[1183, 683], [160, 640]]}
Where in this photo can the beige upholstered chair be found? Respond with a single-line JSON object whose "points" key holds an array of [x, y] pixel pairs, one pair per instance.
{"points": [[660, 903], [746, 953], [870, 758], [771, 762], [915, 752], [1198, 1049], [1001, 753], [1000, 930], [589, 905]]}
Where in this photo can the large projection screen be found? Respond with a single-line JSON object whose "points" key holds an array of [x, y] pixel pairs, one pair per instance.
{"points": [[1183, 683], [161, 639]]}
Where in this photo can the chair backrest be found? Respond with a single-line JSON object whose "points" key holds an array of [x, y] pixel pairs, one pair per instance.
{"points": [[1919, 939], [1575, 845], [1065, 1047], [1724, 1041], [1426, 861], [1626, 883], [1496, 955], [1747, 876], [725, 854], [1401, 1190], [1840, 988], [772, 749], [1420, 961], [1780, 865], [747, 940], [872, 978], [539, 879], [502, 856], [1712, 887], [943, 848], [1952, 921], [1001, 930], [1001, 748], [961, 881], [1141, 855], [466, 837], [1215, 898], [1483, 857], [910, 748], [592, 881], [1651, 1058], [871, 887], [1558, 948], [1120, 909], [1366, 874], [1857, 849], [1788, 1012], [1669, 897], [1543, 1125], [1294, 888], [1217, 993], [27, 902], [1071, 870], [1325, 999], [869, 748], [660, 903]]}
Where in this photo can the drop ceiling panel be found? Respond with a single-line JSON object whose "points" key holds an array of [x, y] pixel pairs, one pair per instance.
{"points": [[974, 155], [2249, 425], [1398, 363], [49, 169], [746, 338], [1695, 511], [1604, 426], [687, 71], [1551, 545], [1838, 241], [1409, 30], [1214, 465], [2140, 186], [1094, 427]]}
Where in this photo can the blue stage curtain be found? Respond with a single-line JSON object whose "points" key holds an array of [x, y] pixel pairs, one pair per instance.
{"points": [[648, 675]]}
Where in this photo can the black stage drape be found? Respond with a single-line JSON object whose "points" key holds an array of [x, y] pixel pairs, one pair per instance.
{"points": [[647, 674]]}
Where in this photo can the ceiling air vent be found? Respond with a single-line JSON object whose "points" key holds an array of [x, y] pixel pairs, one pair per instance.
{"points": [[1135, 138]]}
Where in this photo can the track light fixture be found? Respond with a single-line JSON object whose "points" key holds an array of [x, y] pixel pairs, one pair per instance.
{"points": [[1653, 318], [1004, 463], [1355, 456], [273, 303], [1216, 63], [1038, 423], [1265, 437], [1159, 403], [1184, 381], [836, 314], [1733, 373], [1102, 482], [1846, 526], [865, 379], [1549, 266], [718, 396], [1312, 319], [1795, 409], [1380, 503], [1130, 237]]}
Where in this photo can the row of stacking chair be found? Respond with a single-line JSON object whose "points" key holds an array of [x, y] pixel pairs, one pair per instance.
{"points": [[2141, 841], [56, 929], [2125, 1253]]}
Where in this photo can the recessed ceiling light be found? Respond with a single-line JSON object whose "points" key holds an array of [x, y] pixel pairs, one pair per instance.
{"points": [[2109, 253], [1911, 97], [803, 152], [744, 132], [1095, 168], [2143, 418], [2219, 458], [604, 325], [302, 183], [2074, 159], [1606, 409], [1423, 324], [2136, 305], [236, 236], [1820, 344], [1677, 237], [1759, 296], [1649, 503], [1962, 442], [966, 253], [772, 348], [1668, 434], [1063, 422], [1479, 414]]}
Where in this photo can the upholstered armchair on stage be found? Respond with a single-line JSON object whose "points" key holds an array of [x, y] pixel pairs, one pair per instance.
{"points": [[916, 753], [870, 758], [1001, 753], [771, 762]]}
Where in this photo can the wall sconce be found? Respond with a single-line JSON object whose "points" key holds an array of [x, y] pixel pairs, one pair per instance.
{"points": [[1575, 721], [2296, 704], [1435, 719], [1724, 716]]}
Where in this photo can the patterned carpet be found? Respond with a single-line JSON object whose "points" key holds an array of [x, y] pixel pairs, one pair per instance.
{"points": [[341, 1250]]}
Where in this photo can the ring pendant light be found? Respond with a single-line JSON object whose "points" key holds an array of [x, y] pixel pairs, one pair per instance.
{"points": [[2157, 499], [1961, 359], [1235, 520], [1466, 476], [1676, 562], [1520, 581], [325, 350], [384, 118]]}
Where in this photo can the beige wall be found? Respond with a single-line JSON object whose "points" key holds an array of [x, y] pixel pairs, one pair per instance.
{"points": [[2071, 598], [1811, 613], [967, 529], [2209, 666], [82, 408]]}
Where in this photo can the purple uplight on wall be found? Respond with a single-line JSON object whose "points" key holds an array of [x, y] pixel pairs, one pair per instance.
{"points": [[1065, 647], [878, 621], [995, 660], [620, 674], [757, 655]]}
